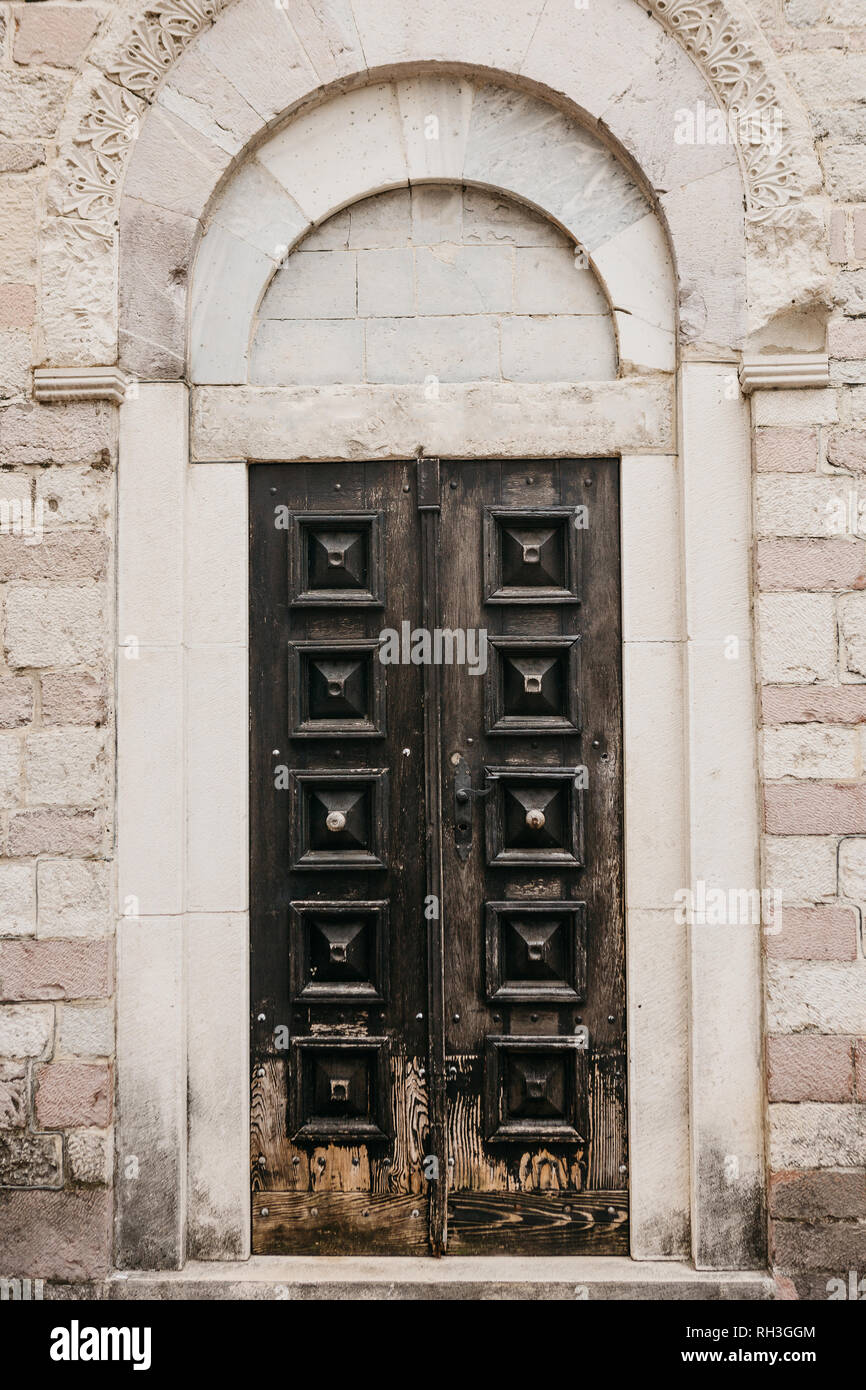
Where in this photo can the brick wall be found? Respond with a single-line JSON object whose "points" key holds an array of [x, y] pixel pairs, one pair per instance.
{"points": [[810, 458], [56, 739], [56, 476]]}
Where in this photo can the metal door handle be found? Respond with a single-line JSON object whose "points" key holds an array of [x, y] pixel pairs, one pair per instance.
{"points": [[464, 794]]}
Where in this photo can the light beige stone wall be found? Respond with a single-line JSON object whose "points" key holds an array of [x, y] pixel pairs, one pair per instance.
{"points": [[58, 271]]}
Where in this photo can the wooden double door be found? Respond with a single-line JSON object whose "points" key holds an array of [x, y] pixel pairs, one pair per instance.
{"points": [[438, 997]]}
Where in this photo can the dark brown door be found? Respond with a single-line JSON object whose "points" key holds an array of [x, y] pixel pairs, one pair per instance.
{"points": [[437, 943]]}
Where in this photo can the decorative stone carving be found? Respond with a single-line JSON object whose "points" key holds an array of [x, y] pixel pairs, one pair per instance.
{"points": [[738, 75], [710, 34], [78, 311], [79, 384], [763, 372], [158, 39], [101, 147], [779, 174]]}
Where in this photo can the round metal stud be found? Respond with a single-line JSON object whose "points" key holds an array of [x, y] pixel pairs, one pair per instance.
{"points": [[535, 819], [335, 820]]}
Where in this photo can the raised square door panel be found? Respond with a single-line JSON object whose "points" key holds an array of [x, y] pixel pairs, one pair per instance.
{"points": [[340, 1090], [339, 952], [340, 819], [336, 689], [531, 555], [535, 1090], [534, 816], [336, 559], [532, 685], [536, 952]]}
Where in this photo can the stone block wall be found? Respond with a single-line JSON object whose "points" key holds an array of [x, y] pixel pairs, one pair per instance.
{"points": [[57, 706], [436, 283], [810, 521], [56, 793]]}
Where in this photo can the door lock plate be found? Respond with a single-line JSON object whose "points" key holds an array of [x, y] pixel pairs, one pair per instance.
{"points": [[462, 809]]}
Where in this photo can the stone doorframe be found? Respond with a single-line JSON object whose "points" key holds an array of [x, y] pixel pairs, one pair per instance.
{"points": [[696, 1107], [696, 1119]]}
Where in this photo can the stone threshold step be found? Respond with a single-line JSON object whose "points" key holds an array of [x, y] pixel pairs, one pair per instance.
{"points": [[500, 1277]]}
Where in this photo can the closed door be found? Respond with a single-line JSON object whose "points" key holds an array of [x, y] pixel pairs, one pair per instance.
{"points": [[436, 866]]}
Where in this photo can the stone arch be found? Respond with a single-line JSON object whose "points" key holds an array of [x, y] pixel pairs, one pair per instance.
{"points": [[265, 81], [626, 73], [487, 136]]}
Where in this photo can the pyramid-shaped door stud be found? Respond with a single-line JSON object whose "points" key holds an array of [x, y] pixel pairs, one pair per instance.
{"points": [[336, 689], [533, 686], [335, 559], [339, 819], [535, 816], [530, 556]]}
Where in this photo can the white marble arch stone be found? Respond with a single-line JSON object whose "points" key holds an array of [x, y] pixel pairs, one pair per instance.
{"points": [[486, 137], [437, 284]]}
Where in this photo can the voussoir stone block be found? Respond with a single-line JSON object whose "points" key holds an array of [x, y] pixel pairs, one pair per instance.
{"points": [[477, 32], [205, 99], [351, 147], [256, 48], [569, 41], [712, 303], [563, 168], [229, 278], [257, 209], [174, 166], [435, 113], [156, 250]]}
